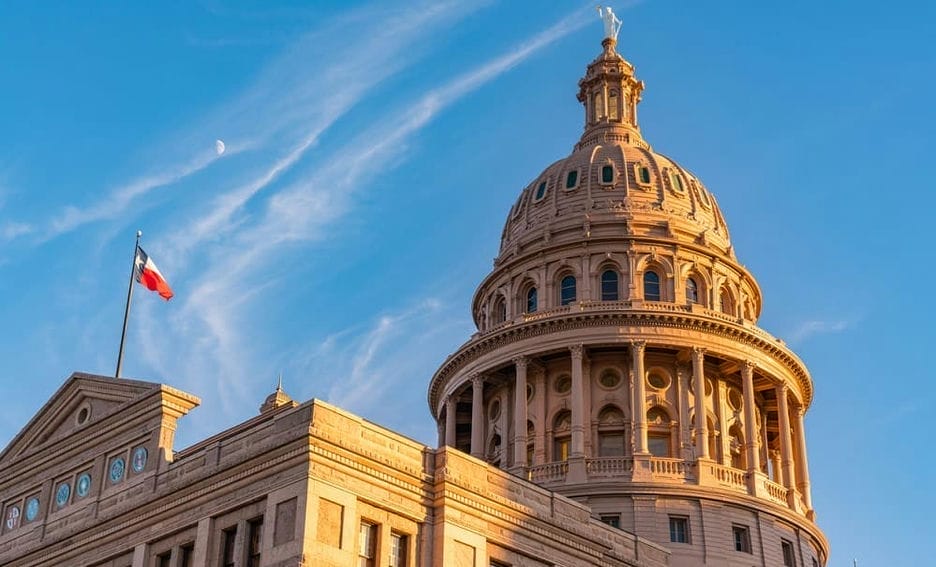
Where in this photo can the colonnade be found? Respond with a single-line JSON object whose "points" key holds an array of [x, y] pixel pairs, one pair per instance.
{"points": [[790, 472]]}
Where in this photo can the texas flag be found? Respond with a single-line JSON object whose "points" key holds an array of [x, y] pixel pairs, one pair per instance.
{"points": [[146, 273]]}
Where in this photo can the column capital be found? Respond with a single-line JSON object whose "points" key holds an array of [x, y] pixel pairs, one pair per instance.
{"points": [[521, 361], [748, 366], [577, 351], [799, 411], [476, 379], [783, 388], [451, 399], [638, 346]]}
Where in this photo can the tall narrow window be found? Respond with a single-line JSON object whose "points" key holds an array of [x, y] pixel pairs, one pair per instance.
{"points": [[572, 179], [742, 538], [692, 291], [164, 559], [531, 300], [727, 303], [367, 552], [659, 434], [398, 545], [500, 310], [651, 282], [677, 182], [607, 174], [254, 541], [679, 529], [789, 558], [609, 285], [567, 290], [228, 538], [599, 106], [188, 554], [613, 105]]}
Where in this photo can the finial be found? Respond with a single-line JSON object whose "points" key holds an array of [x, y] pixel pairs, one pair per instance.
{"points": [[612, 25], [279, 382]]}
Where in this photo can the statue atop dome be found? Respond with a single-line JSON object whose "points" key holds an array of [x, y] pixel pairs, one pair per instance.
{"points": [[612, 24]]}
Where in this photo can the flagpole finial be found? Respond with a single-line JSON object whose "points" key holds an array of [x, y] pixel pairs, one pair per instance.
{"points": [[139, 233]]}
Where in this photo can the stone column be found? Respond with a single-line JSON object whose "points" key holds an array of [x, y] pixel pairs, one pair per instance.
{"points": [[750, 430], [477, 416], [520, 412], [640, 396], [698, 379], [450, 420], [539, 445], [682, 395], [578, 403], [786, 444], [802, 464], [719, 400]]}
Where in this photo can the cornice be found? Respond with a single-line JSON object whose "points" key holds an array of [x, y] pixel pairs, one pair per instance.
{"points": [[569, 320]]}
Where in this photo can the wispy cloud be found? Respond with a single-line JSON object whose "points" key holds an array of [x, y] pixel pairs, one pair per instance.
{"points": [[211, 326], [811, 328], [12, 229]]}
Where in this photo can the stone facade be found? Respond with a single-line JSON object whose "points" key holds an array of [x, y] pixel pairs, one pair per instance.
{"points": [[296, 485]]}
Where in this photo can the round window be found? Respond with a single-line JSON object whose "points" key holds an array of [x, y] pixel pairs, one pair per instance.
{"points": [[734, 399], [62, 494], [609, 379], [117, 469], [83, 414], [563, 384], [658, 380]]}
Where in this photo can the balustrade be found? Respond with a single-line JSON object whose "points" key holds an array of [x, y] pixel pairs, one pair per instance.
{"points": [[728, 476], [549, 472], [776, 492], [609, 466]]}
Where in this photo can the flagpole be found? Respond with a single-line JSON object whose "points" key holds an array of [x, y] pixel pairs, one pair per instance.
{"points": [[123, 334]]}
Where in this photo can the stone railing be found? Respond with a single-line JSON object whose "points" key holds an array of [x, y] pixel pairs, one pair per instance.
{"points": [[667, 468], [727, 476], [549, 472], [775, 492], [609, 466]]}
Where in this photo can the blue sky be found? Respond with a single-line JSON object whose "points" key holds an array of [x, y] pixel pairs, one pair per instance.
{"points": [[373, 151]]}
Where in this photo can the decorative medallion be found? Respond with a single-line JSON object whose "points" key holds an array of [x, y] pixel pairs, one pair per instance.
{"points": [[83, 486], [12, 517], [117, 469], [62, 493], [139, 459], [32, 509]]}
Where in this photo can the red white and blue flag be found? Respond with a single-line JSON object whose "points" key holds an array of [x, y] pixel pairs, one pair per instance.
{"points": [[146, 273]]}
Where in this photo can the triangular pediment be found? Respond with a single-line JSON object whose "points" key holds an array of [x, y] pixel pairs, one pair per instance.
{"points": [[82, 400]]}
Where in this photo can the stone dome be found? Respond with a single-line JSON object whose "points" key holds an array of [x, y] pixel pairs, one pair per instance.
{"points": [[615, 195]]}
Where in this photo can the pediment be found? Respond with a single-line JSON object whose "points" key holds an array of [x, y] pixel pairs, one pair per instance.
{"points": [[82, 400]]}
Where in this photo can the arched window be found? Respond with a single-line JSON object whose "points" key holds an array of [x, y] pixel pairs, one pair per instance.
{"points": [[500, 310], [609, 285], [562, 435], [659, 432], [692, 291], [540, 191], [613, 105], [567, 290], [607, 174], [726, 301], [531, 300], [599, 106], [611, 438], [651, 282]]}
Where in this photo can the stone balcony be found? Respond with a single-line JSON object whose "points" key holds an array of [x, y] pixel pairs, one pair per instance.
{"points": [[659, 470]]}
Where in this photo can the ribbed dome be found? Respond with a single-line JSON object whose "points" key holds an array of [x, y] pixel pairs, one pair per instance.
{"points": [[613, 182]]}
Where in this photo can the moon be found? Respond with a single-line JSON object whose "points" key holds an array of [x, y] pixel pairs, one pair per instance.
{"points": [[219, 146]]}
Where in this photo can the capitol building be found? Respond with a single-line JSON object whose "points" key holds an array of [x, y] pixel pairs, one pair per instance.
{"points": [[617, 406]]}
